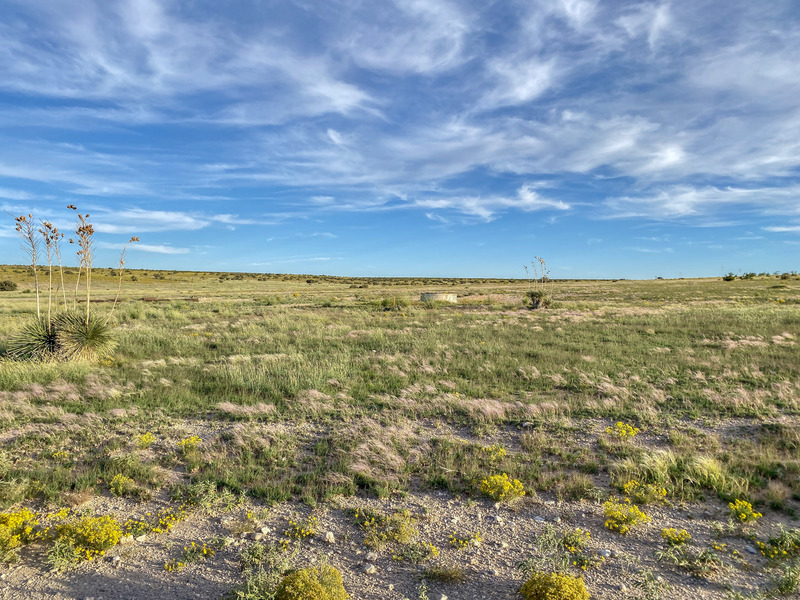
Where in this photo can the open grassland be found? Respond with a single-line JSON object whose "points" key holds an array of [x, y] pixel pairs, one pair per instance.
{"points": [[316, 397]]}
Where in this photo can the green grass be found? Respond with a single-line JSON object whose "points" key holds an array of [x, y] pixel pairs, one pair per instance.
{"points": [[353, 381]]}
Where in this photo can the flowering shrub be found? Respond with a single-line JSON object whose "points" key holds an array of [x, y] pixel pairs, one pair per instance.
{"points": [[416, 552], [89, 537], [644, 493], [122, 486], [190, 444], [743, 511], [313, 583], [501, 488], [460, 541], [554, 586], [380, 530], [621, 516], [673, 537], [299, 530], [16, 529], [785, 545], [576, 540], [494, 451], [622, 430], [191, 553], [145, 440]]}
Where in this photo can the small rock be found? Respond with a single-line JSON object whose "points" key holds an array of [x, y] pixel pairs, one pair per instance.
{"points": [[329, 537], [549, 502], [557, 520], [266, 530], [126, 539], [370, 569], [141, 538], [528, 424], [605, 553], [372, 556], [443, 597], [503, 545], [539, 519], [623, 587], [258, 536], [751, 549]]}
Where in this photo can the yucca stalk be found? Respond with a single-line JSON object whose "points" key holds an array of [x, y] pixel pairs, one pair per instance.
{"points": [[119, 274], [84, 231], [26, 231], [50, 237]]}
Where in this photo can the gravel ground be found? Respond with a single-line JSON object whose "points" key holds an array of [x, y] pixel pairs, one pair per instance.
{"points": [[135, 570]]}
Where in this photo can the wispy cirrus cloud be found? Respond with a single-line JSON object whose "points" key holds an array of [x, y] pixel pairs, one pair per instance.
{"points": [[140, 247]]}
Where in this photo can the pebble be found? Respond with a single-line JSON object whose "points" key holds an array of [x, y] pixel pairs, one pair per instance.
{"points": [[258, 536], [557, 520], [330, 538], [370, 569], [539, 519], [751, 549], [372, 556], [266, 530], [605, 553], [141, 538]]}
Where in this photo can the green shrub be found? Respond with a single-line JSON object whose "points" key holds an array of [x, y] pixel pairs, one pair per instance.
{"points": [[538, 299], [621, 516], [313, 583], [89, 537], [36, 341], [82, 338], [500, 488], [554, 586], [394, 303], [64, 337], [16, 529], [7, 286]]}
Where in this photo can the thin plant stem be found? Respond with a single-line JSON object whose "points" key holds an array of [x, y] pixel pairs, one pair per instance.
{"points": [[27, 232], [119, 274]]}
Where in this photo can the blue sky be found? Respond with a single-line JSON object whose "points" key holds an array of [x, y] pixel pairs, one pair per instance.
{"points": [[416, 137]]}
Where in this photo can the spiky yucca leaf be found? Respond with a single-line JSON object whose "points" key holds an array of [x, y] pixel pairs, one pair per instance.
{"points": [[80, 338], [36, 341]]}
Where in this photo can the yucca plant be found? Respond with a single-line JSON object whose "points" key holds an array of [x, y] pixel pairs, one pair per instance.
{"points": [[37, 340], [64, 337], [83, 337]]}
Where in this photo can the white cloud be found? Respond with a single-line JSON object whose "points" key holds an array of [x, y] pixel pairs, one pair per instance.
{"points": [[153, 248], [650, 20], [783, 229], [487, 208], [687, 201]]}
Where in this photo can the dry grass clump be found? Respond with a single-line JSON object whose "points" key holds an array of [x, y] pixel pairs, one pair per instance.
{"points": [[238, 411]]}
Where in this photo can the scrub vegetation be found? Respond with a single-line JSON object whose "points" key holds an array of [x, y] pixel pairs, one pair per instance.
{"points": [[230, 394]]}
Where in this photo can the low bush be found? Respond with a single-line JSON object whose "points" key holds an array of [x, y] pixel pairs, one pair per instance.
{"points": [[64, 337], [313, 583], [554, 586], [501, 488], [7, 286], [621, 516], [89, 537]]}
